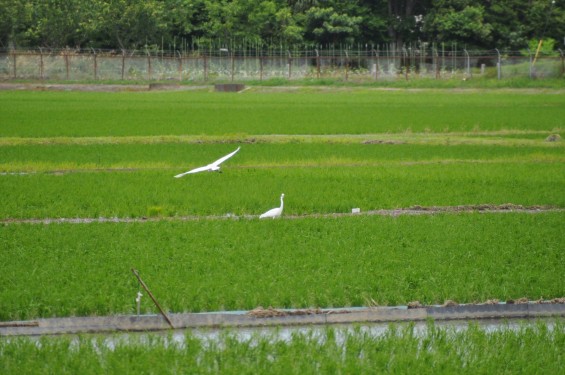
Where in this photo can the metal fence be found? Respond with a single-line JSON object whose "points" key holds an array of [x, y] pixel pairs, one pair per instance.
{"points": [[244, 65]]}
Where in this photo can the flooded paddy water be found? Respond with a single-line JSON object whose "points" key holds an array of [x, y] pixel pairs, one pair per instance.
{"points": [[339, 333]]}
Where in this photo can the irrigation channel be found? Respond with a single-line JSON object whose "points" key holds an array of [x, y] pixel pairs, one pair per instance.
{"points": [[414, 210], [283, 322]]}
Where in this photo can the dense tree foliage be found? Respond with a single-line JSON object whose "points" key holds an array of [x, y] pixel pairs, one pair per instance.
{"points": [[172, 24]]}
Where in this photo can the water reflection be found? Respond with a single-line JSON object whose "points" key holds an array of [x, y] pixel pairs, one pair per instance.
{"points": [[208, 337]]}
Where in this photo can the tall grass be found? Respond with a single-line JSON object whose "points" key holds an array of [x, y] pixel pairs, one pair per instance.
{"points": [[84, 269], [532, 348]]}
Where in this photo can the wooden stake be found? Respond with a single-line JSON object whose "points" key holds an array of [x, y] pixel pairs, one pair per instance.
{"points": [[153, 298]]}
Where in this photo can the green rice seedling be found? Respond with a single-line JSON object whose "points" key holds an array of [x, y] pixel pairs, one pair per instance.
{"points": [[210, 265], [530, 348], [52, 114], [309, 190], [177, 156]]}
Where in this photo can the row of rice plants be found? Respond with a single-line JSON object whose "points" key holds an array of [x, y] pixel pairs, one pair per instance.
{"points": [[59, 157], [530, 348], [80, 114], [210, 265], [250, 191]]}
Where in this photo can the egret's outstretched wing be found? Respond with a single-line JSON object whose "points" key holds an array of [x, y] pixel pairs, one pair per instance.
{"points": [[195, 170], [210, 167], [224, 158]]}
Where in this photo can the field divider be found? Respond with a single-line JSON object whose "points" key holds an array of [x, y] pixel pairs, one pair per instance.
{"points": [[452, 138], [414, 210], [287, 317]]}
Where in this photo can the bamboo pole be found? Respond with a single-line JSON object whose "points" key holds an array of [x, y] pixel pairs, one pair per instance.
{"points": [[152, 297]]}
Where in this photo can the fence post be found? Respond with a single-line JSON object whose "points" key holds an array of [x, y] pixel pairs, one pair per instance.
{"points": [[123, 63], [468, 62], [261, 67], [317, 64], [562, 61], [437, 68], [530, 62], [205, 67], [180, 66], [66, 58], [376, 66], [498, 64], [406, 62], [14, 64], [410, 61], [232, 65], [41, 76], [289, 64], [346, 64], [95, 63], [148, 65]]}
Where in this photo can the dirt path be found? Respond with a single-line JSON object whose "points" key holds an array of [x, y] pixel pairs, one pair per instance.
{"points": [[414, 210]]}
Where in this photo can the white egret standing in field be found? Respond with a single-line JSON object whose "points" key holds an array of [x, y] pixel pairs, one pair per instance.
{"points": [[212, 167], [274, 212]]}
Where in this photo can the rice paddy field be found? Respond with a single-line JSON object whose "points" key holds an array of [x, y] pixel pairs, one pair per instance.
{"points": [[87, 187]]}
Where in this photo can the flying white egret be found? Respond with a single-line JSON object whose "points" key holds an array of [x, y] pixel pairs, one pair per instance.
{"points": [[212, 167], [274, 212]]}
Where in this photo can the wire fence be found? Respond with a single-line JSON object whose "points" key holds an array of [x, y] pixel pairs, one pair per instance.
{"points": [[386, 63]]}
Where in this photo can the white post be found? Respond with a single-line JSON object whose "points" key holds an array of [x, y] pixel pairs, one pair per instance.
{"points": [[138, 302]]}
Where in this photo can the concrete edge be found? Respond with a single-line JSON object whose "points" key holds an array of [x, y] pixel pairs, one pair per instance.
{"points": [[133, 323]]}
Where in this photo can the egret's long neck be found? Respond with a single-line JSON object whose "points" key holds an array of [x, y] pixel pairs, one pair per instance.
{"points": [[282, 203]]}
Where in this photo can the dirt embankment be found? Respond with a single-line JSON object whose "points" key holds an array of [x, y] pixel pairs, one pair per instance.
{"points": [[414, 210]]}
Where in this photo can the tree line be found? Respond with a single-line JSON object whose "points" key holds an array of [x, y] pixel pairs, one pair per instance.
{"points": [[176, 24]]}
